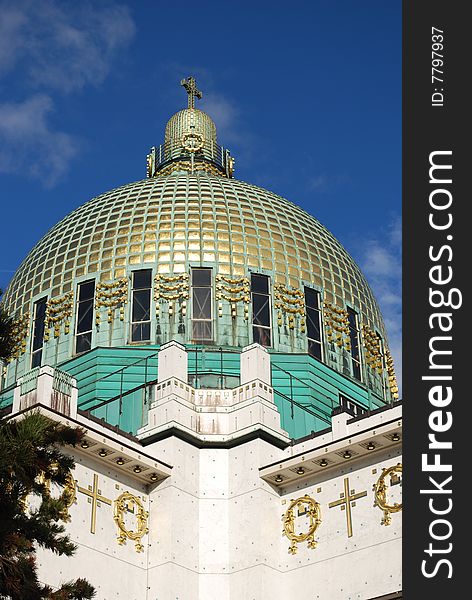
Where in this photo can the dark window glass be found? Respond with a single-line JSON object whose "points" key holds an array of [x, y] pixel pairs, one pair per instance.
{"points": [[202, 323], [313, 323], [86, 291], [140, 331], [312, 298], [202, 303], [38, 332], [141, 306], [201, 330], [261, 335], [84, 324], [142, 279], [83, 342], [261, 331], [85, 316], [201, 277], [354, 338], [261, 310], [259, 284]]}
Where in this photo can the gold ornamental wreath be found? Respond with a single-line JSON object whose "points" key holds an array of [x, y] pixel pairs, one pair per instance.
{"points": [[380, 493], [122, 504], [314, 512]]}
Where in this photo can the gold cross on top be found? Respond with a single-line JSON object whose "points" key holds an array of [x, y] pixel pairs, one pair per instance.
{"points": [[345, 503], [190, 86], [95, 497]]}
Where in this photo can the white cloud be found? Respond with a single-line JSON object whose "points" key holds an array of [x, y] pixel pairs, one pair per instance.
{"points": [[317, 182], [326, 183], [225, 116], [46, 48], [381, 263], [62, 46], [29, 145], [11, 24]]}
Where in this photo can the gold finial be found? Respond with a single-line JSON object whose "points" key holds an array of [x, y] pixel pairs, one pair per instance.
{"points": [[190, 86]]}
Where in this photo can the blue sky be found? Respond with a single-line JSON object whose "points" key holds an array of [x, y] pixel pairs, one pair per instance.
{"points": [[306, 94]]}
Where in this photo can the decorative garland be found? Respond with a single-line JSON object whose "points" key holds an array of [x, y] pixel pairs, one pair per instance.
{"points": [[337, 325], [19, 334], [392, 380], [373, 349], [290, 301], [233, 290], [111, 295], [58, 311], [171, 288]]}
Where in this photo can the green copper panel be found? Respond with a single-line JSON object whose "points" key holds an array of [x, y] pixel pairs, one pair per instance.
{"points": [[111, 384]]}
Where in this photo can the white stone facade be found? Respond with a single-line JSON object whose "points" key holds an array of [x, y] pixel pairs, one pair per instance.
{"points": [[224, 475]]}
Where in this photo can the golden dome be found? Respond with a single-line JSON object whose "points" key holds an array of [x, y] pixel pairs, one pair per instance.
{"points": [[182, 220], [190, 120]]}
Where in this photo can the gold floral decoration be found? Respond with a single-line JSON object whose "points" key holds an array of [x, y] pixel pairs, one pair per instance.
{"points": [[111, 295], [373, 349], [303, 505], [337, 325], [392, 380], [380, 493], [291, 302], [58, 312], [19, 334], [172, 288], [128, 502], [233, 290]]}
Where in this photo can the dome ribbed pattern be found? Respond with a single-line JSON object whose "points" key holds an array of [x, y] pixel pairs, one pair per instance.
{"points": [[172, 223]]}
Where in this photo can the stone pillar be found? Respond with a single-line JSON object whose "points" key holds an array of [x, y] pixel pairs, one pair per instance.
{"points": [[47, 386], [255, 364], [172, 361], [339, 425]]}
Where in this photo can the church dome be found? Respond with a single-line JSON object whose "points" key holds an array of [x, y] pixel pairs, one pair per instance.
{"points": [[187, 218], [182, 220]]}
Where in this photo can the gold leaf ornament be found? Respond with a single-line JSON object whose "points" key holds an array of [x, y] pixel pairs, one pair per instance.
{"points": [[122, 505], [381, 496], [306, 505]]}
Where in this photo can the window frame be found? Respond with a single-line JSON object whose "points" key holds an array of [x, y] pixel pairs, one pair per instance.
{"points": [[133, 290], [318, 311], [355, 336], [196, 321], [257, 326], [39, 350], [79, 303]]}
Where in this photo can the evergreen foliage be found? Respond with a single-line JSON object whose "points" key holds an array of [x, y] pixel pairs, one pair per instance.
{"points": [[6, 334], [32, 515]]}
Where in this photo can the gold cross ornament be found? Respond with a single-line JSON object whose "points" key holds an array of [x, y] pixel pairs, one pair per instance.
{"points": [[345, 503], [190, 86], [95, 496]]}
